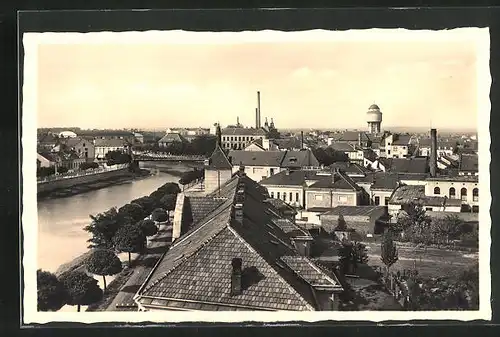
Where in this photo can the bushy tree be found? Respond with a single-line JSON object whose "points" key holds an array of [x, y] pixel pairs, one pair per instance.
{"points": [[159, 215], [104, 226], [129, 239], [389, 251], [43, 172], [341, 224], [449, 228], [147, 203], [414, 223], [103, 262], [81, 288], [190, 176], [62, 169], [117, 157], [135, 211], [148, 227], [168, 202], [87, 166], [351, 254], [52, 295], [170, 188], [328, 156]]}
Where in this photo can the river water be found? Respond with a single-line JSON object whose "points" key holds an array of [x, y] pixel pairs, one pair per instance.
{"points": [[61, 237]]}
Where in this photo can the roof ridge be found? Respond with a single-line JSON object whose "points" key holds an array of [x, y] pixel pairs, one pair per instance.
{"points": [[249, 246]]}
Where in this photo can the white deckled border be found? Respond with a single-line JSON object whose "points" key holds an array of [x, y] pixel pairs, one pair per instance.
{"points": [[29, 201]]}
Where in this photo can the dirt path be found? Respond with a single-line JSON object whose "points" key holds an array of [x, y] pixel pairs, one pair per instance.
{"points": [[140, 270]]}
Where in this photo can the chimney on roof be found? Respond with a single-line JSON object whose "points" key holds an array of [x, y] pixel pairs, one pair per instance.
{"points": [[241, 170], [236, 272], [433, 157], [301, 140]]}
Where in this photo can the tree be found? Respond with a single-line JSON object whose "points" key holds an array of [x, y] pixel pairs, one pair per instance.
{"points": [[450, 227], [129, 239], [135, 211], [148, 227], [351, 254], [389, 251], [52, 295], [81, 288], [168, 202], [341, 224], [103, 262], [147, 203], [104, 226], [203, 145], [117, 157], [170, 188], [159, 215], [414, 223]]}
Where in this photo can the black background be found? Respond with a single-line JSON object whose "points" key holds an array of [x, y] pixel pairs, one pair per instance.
{"points": [[211, 20]]}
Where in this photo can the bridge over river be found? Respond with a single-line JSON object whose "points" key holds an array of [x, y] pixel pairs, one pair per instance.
{"points": [[168, 158]]}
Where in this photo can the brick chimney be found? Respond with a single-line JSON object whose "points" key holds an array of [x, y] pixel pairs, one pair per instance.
{"points": [[433, 157], [241, 170], [236, 264]]}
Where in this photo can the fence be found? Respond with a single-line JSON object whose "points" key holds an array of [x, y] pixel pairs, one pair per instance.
{"points": [[88, 172], [160, 156]]}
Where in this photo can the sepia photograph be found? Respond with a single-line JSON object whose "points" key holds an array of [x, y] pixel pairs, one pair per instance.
{"points": [[295, 176]]}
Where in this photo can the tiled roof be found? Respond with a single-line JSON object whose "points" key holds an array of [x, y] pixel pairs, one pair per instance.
{"points": [[370, 154], [350, 168], [72, 142], [407, 193], [295, 159], [47, 138], [351, 136], [281, 206], [457, 178], [309, 271], [197, 269], [50, 156], [200, 207], [468, 163], [408, 165], [355, 210], [219, 160], [109, 142], [291, 229], [288, 143], [401, 140], [385, 181], [233, 131], [343, 147], [338, 180], [257, 158], [172, 137], [290, 178]]}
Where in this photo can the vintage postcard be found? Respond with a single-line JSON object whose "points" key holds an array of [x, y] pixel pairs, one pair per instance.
{"points": [[256, 176]]}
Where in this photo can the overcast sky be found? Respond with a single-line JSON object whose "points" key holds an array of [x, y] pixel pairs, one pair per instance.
{"points": [[327, 84]]}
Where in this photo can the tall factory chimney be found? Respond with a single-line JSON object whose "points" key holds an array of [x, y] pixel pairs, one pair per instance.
{"points": [[433, 159], [258, 109], [301, 140], [256, 118]]}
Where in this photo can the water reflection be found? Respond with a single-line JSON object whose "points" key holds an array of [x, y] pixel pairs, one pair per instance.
{"points": [[61, 221]]}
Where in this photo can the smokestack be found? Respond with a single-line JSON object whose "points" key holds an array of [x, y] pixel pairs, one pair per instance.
{"points": [[433, 159], [236, 276], [301, 140], [258, 109], [256, 118]]}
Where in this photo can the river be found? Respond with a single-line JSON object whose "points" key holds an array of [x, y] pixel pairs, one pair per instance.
{"points": [[61, 237]]}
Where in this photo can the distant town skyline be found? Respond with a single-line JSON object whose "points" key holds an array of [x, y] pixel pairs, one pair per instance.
{"points": [[303, 84]]}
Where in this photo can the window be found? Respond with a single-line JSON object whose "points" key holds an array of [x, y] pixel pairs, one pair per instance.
{"points": [[452, 192], [377, 200], [437, 190], [386, 200], [342, 198], [475, 194], [428, 209], [388, 151], [272, 194], [284, 196], [271, 171], [297, 197], [318, 197], [475, 209], [463, 194], [290, 196], [278, 195]]}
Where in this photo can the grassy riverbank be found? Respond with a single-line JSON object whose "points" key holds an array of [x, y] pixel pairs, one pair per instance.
{"points": [[83, 188]]}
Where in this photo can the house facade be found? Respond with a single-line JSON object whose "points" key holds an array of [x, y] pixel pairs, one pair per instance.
{"points": [[464, 189], [238, 138], [103, 146]]}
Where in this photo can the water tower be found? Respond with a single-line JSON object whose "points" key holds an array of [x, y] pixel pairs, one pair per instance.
{"points": [[374, 118]]}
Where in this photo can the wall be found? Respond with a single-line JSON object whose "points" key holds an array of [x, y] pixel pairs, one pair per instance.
{"points": [[382, 196], [69, 182], [445, 186], [327, 300], [309, 217], [258, 173], [212, 178], [237, 142], [275, 189], [325, 198]]}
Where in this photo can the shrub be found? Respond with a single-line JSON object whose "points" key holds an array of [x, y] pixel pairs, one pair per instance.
{"points": [[52, 295], [148, 227], [159, 215], [81, 288]]}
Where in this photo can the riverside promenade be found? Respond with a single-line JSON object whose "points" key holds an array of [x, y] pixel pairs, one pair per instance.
{"points": [[141, 267]]}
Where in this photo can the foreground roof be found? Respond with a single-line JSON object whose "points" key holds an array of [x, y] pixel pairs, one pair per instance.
{"points": [[257, 158], [196, 272]]}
